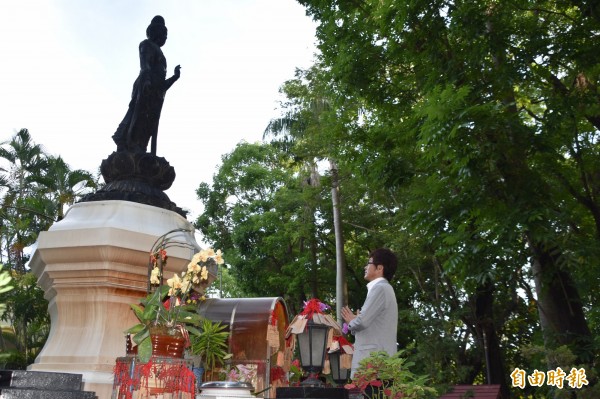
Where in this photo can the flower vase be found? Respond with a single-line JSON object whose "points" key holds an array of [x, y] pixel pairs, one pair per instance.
{"points": [[167, 342]]}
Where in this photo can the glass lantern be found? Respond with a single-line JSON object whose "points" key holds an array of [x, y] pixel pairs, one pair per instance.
{"points": [[339, 374], [313, 345]]}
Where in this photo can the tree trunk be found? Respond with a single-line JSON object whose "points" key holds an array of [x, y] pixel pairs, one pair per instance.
{"points": [[486, 330], [560, 309], [314, 286], [341, 286], [313, 181]]}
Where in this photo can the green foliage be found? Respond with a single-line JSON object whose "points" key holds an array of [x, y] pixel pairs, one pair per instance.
{"points": [[225, 286], [5, 286], [210, 345], [256, 211], [543, 359], [493, 113], [13, 360], [34, 188], [466, 136], [27, 314], [393, 375]]}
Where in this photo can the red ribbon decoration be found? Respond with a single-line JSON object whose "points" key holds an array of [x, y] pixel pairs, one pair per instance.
{"points": [[312, 306]]}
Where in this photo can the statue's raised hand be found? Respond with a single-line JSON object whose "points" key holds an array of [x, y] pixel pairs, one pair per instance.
{"points": [[177, 72]]}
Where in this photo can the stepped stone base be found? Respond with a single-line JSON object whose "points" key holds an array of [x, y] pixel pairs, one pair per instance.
{"points": [[92, 265], [18, 384]]}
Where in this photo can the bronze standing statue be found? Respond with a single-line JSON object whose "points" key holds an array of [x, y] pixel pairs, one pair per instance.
{"points": [[140, 124], [131, 173]]}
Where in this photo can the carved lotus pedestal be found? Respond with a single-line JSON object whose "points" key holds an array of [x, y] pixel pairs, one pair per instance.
{"points": [[92, 265], [135, 177]]}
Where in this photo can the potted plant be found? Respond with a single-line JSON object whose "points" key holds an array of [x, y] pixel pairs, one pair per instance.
{"points": [[165, 312], [382, 376], [210, 345]]}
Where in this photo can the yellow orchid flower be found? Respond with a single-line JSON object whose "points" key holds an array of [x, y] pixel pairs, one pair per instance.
{"points": [[174, 282], [219, 257], [154, 276], [203, 256], [185, 285], [195, 258], [193, 267]]}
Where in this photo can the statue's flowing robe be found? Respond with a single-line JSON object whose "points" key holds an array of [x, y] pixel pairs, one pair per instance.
{"points": [[141, 120]]}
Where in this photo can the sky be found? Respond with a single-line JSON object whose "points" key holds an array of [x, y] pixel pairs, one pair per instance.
{"points": [[68, 67]]}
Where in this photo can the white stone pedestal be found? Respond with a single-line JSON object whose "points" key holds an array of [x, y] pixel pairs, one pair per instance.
{"points": [[92, 265]]}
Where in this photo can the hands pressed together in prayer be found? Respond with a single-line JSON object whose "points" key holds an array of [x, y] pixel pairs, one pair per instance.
{"points": [[348, 315]]}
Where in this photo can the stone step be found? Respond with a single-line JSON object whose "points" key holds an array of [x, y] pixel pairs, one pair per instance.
{"points": [[40, 379], [44, 393], [20, 384]]}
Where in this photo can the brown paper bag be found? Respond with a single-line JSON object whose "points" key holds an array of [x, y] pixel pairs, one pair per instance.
{"points": [[345, 361], [330, 337], [298, 325], [273, 337]]}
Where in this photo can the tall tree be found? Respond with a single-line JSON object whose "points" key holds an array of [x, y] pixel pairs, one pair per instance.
{"points": [[255, 211], [26, 161], [494, 107], [301, 131], [64, 186], [34, 188]]}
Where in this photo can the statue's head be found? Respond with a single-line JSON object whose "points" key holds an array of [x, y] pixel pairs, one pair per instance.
{"points": [[157, 31]]}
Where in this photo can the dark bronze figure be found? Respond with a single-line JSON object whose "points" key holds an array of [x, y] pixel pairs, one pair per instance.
{"points": [[131, 173], [140, 124]]}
